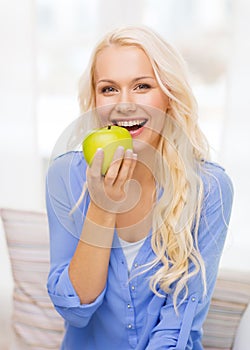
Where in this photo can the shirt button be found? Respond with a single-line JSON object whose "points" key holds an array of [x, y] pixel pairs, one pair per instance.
{"points": [[129, 326], [129, 306], [135, 265], [193, 299], [133, 287]]}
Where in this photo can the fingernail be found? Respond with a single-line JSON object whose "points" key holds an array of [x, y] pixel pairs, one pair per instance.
{"points": [[129, 151], [99, 151], [120, 148]]}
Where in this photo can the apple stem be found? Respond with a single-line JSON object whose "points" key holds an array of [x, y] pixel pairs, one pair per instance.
{"points": [[109, 127]]}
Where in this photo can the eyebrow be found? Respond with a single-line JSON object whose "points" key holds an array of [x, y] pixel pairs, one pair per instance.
{"points": [[133, 81]]}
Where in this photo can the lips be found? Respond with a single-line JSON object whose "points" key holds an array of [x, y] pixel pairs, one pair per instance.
{"points": [[132, 125]]}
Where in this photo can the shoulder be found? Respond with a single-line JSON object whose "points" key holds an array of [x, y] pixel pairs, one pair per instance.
{"points": [[66, 171], [215, 177], [67, 163], [218, 186], [72, 158]]}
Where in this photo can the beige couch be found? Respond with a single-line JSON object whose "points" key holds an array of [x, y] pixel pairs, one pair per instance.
{"points": [[36, 325]]}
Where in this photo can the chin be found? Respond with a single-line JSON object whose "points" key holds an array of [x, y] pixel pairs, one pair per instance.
{"points": [[139, 146], [142, 146], [146, 143]]}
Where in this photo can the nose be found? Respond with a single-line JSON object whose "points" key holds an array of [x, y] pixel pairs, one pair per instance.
{"points": [[125, 107]]}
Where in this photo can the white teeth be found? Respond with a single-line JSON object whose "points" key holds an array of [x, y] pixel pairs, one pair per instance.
{"points": [[125, 123]]}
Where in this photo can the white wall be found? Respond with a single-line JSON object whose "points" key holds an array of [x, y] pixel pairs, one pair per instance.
{"points": [[20, 175], [20, 184], [235, 151]]}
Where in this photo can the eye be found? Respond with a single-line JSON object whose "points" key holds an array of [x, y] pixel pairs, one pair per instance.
{"points": [[108, 90], [142, 87]]}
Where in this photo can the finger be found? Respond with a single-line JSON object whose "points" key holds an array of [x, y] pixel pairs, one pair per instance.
{"points": [[114, 167], [133, 165], [124, 172], [96, 165]]}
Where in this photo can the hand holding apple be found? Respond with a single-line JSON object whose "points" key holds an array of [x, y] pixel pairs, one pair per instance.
{"points": [[108, 138]]}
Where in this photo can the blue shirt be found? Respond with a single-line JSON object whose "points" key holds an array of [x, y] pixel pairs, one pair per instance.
{"points": [[127, 314]]}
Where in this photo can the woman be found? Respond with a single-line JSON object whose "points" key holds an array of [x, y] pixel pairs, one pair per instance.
{"points": [[134, 261]]}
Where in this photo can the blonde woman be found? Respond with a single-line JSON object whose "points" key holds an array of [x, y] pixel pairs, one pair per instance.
{"points": [[135, 252]]}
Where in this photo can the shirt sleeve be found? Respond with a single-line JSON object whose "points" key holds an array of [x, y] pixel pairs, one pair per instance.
{"points": [[180, 331], [64, 237]]}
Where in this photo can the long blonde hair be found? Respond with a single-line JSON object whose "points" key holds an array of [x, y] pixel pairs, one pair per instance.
{"points": [[182, 149]]}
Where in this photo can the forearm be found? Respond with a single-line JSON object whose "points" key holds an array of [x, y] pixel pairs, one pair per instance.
{"points": [[89, 266]]}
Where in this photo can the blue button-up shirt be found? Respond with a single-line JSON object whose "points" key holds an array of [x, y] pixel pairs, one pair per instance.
{"points": [[127, 314]]}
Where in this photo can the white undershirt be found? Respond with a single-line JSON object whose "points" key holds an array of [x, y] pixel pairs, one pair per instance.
{"points": [[130, 250]]}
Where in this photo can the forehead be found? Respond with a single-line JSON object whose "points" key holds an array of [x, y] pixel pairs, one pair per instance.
{"points": [[116, 60]]}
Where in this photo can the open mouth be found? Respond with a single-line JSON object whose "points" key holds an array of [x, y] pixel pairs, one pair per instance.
{"points": [[130, 125]]}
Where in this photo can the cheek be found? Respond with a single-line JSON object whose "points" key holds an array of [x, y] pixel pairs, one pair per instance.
{"points": [[104, 111], [154, 100], [98, 101], [160, 102]]}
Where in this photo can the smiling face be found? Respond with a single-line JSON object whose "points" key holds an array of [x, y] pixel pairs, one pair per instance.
{"points": [[127, 93]]}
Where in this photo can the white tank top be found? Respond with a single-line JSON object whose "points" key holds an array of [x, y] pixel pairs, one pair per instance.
{"points": [[130, 250]]}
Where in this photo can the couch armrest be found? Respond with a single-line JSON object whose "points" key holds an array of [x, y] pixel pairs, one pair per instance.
{"points": [[243, 334], [229, 302]]}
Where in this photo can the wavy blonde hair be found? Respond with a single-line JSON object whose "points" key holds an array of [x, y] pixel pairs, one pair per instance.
{"points": [[181, 151]]}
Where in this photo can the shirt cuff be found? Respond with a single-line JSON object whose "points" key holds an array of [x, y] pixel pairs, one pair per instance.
{"points": [[66, 296]]}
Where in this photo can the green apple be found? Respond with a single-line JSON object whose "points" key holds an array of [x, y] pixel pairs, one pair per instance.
{"points": [[108, 138]]}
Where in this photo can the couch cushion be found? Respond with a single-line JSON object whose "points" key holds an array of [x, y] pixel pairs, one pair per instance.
{"points": [[35, 322]]}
